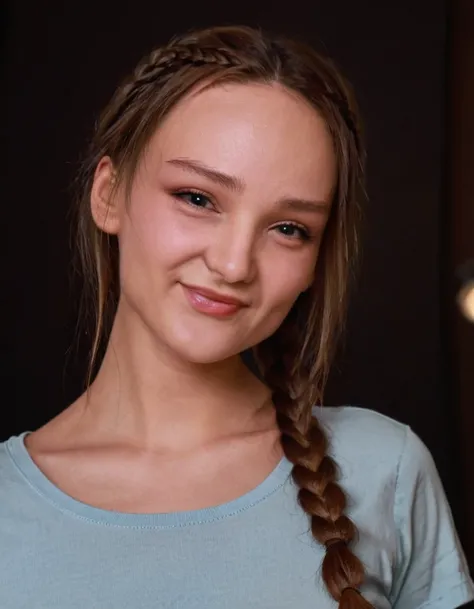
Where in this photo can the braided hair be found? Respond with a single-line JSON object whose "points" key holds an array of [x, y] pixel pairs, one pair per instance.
{"points": [[295, 361]]}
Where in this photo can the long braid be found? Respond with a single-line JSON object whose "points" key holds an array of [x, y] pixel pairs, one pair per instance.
{"points": [[314, 471]]}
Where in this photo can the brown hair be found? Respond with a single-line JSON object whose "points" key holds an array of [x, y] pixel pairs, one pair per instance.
{"points": [[295, 361]]}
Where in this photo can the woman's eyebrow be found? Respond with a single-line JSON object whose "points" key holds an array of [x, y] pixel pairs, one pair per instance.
{"points": [[227, 181], [304, 205]]}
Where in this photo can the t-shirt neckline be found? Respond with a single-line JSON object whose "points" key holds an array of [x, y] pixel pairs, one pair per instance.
{"points": [[47, 489]]}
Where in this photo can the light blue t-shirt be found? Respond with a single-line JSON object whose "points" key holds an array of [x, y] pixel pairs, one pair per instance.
{"points": [[255, 552]]}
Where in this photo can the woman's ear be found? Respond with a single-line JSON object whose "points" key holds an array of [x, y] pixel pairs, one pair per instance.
{"points": [[105, 202]]}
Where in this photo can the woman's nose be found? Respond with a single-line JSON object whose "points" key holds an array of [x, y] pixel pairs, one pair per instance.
{"points": [[232, 253]]}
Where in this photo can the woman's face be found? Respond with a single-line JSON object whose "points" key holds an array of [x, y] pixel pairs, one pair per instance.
{"points": [[223, 227]]}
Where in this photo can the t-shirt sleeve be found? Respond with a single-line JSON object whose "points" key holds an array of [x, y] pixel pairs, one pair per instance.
{"points": [[431, 570]]}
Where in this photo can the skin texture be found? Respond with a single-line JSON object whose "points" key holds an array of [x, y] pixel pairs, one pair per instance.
{"points": [[174, 419]]}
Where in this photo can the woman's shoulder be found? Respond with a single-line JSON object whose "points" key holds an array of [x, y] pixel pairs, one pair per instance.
{"points": [[363, 440], [12, 480], [9, 466], [396, 498], [357, 426]]}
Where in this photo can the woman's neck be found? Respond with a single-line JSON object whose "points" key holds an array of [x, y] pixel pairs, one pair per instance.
{"points": [[147, 397]]}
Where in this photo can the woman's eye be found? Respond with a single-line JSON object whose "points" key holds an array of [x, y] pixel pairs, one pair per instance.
{"points": [[195, 199], [293, 231]]}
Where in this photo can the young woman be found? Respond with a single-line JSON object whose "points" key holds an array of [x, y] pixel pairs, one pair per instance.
{"points": [[219, 218]]}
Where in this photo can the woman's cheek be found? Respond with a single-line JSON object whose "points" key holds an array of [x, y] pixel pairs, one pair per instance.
{"points": [[172, 237], [288, 273]]}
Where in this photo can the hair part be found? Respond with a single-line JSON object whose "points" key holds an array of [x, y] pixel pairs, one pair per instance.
{"points": [[296, 360]]}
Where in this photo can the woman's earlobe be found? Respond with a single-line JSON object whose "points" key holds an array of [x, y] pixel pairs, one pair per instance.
{"points": [[105, 205]]}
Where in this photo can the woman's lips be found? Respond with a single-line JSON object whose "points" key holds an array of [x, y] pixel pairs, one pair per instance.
{"points": [[212, 303]]}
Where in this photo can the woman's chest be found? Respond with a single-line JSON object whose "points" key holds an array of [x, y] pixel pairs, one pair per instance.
{"points": [[262, 569], [262, 557]]}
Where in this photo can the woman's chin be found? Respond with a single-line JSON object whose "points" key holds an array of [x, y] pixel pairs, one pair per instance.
{"points": [[205, 351]]}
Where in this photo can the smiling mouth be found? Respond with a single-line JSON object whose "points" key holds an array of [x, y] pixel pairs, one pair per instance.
{"points": [[212, 303], [216, 296]]}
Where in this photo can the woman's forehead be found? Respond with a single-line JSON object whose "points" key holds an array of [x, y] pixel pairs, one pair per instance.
{"points": [[251, 130]]}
